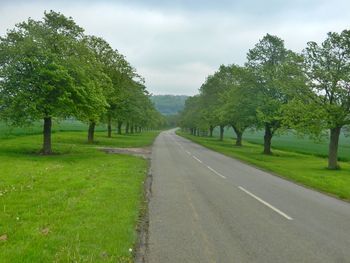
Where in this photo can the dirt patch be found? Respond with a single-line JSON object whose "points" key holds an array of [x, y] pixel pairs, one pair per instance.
{"points": [[3, 237], [141, 152]]}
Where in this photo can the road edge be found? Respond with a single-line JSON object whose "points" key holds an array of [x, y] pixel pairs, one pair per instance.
{"points": [[141, 246]]}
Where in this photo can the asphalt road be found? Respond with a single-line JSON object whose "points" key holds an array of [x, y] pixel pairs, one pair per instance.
{"points": [[206, 207]]}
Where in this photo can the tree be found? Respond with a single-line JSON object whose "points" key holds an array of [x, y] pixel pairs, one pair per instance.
{"points": [[210, 92], [106, 69], [42, 75], [238, 103], [169, 104], [327, 67], [190, 116], [140, 108], [276, 70]]}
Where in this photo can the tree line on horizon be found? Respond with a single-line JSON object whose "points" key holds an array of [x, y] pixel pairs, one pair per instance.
{"points": [[169, 104], [52, 69], [278, 90]]}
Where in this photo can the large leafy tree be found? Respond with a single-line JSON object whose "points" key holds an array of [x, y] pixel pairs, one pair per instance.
{"points": [[327, 67], [277, 71], [208, 98], [107, 59], [95, 81], [210, 92], [139, 108], [122, 76], [238, 103], [125, 81], [190, 116], [42, 74]]}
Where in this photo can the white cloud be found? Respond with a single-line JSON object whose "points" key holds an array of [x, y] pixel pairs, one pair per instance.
{"points": [[176, 44], [182, 79]]}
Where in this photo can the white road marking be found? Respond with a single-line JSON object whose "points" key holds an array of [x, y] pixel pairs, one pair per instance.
{"points": [[188, 152], [219, 174], [197, 159], [175, 141], [266, 203]]}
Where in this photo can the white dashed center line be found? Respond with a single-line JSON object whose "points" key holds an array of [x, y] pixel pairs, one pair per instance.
{"points": [[217, 173], [198, 160], [194, 157], [266, 203], [240, 187]]}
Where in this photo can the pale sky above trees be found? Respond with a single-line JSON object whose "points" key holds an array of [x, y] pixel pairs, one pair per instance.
{"points": [[176, 44]]}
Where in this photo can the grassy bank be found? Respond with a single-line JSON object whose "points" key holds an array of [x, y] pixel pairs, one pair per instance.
{"points": [[291, 142], [305, 169], [80, 205]]}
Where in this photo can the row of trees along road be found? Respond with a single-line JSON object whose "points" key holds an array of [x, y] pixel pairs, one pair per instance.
{"points": [[51, 69], [276, 90]]}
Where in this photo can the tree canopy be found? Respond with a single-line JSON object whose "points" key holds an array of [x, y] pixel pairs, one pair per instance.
{"points": [[278, 90], [325, 103], [51, 69]]}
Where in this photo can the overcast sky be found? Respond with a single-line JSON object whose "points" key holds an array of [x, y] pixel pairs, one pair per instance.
{"points": [[176, 44]]}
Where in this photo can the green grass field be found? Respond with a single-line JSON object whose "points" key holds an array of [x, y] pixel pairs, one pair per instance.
{"points": [[291, 142], [306, 169], [79, 205], [36, 128]]}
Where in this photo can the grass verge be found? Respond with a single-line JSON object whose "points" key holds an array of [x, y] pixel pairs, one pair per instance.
{"points": [[290, 142], [80, 205], [308, 170]]}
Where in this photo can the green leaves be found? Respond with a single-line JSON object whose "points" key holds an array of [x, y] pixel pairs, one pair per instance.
{"points": [[267, 55], [35, 79], [238, 106], [328, 69], [278, 90], [49, 68]]}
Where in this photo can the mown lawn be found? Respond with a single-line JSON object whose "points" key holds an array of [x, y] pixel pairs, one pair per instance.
{"points": [[306, 169], [80, 205]]}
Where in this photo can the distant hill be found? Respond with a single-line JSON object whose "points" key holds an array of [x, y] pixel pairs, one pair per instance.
{"points": [[169, 104]]}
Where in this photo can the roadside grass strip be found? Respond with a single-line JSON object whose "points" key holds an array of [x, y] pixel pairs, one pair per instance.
{"points": [[78, 205]]}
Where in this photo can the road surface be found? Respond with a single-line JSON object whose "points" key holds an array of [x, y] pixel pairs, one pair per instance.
{"points": [[206, 207]]}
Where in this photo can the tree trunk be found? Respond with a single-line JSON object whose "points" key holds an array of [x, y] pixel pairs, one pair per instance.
{"points": [[47, 136], [132, 128], [198, 132], [267, 139], [120, 124], [238, 136], [333, 148], [91, 131], [109, 127], [127, 128], [222, 132], [211, 129]]}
